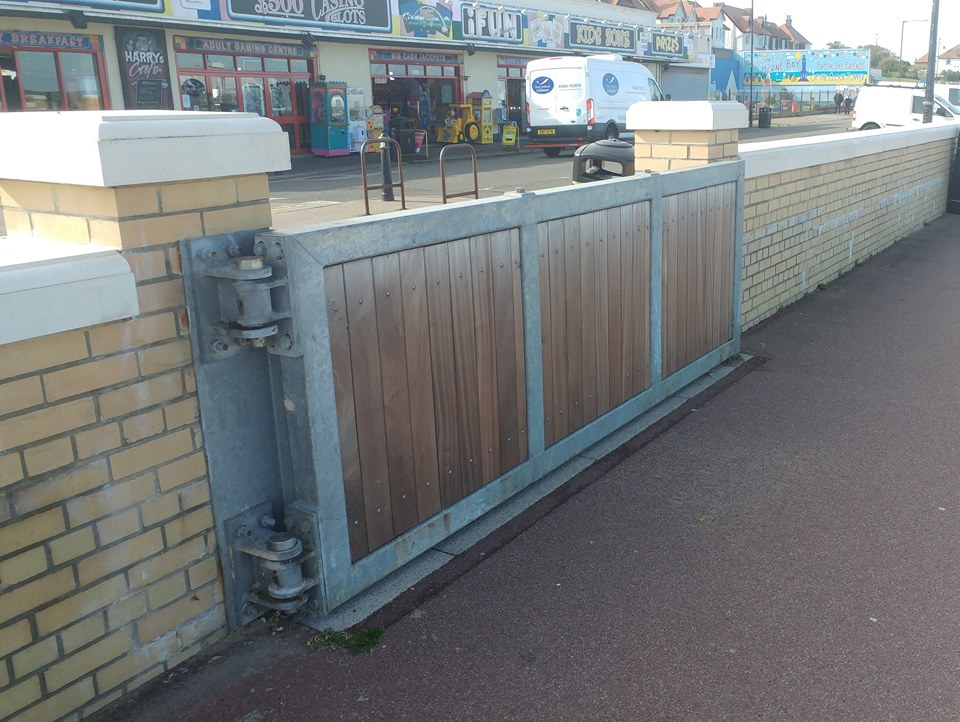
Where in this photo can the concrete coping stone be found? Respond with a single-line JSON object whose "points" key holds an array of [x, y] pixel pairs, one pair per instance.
{"points": [[130, 147], [51, 286], [686, 115], [778, 156]]}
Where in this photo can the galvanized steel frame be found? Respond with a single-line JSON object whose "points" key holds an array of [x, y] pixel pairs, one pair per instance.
{"points": [[305, 402]]}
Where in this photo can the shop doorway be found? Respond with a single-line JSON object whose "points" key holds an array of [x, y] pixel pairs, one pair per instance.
{"points": [[515, 102], [415, 90]]}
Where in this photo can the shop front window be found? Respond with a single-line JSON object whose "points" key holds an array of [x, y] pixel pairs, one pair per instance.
{"points": [[190, 60], [220, 62], [253, 96], [281, 99], [80, 81], [246, 63], [270, 86], [38, 79]]}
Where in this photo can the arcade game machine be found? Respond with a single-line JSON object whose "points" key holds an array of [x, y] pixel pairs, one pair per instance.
{"points": [[483, 114], [329, 127], [357, 117]]}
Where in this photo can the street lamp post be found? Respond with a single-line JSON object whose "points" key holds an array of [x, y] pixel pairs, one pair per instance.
{"points": [[903, 24], [931, 64], [750, 122]]}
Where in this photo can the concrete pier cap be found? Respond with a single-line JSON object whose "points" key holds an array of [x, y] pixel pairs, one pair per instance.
{"points": [[684, 134]]}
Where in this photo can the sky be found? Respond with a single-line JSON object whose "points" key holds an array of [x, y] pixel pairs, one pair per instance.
{"points": [[864, 22]]}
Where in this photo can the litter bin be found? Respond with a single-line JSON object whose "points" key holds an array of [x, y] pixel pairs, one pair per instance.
{"points": [[763, 117], [603, 160]]}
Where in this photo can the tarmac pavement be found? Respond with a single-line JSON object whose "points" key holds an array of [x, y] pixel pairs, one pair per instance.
{"points": [[784, 548]]}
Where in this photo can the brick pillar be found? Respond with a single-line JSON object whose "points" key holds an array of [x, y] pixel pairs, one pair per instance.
{"points": [[107, 549], [681, 134]]}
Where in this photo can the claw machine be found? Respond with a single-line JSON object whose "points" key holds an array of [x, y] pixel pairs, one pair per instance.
{"points": [[357, 116], [329, 128]]}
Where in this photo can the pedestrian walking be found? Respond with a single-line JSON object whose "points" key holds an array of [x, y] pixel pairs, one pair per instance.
{"points": [[837, 101], [847, 104]]}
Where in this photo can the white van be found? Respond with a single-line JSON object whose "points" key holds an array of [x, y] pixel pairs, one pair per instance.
{"points": [[949, 92], [574, 100], [895, 107]]}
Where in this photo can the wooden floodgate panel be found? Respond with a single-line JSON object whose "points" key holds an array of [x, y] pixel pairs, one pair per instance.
{"points": [[594, 301], [698, 250], [427, 349]]}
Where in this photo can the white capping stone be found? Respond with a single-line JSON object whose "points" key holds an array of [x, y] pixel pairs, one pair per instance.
{"points": [[131, 147], [686, 115], [779, 156], [52, 286]]}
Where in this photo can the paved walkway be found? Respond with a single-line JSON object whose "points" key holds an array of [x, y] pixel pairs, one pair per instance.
{"points": [[787, 550]]}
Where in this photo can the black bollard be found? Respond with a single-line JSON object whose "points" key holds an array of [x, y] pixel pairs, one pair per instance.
{"points": [[387, 193]]}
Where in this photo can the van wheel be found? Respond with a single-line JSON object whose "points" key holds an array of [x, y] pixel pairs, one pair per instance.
{"points": [[612, 133], [870, 126], [551, 152]]}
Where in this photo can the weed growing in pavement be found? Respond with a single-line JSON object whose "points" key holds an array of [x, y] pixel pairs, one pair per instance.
{"points": [[354, 642]]}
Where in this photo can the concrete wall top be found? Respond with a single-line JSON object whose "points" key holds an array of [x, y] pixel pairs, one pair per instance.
{"points": [[121, 148], [778, 156], [686, 115], [51, 286]]}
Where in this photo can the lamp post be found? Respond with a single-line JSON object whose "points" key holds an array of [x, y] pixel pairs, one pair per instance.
{"points": [[750, 113], [931, 64], [903, 24]]}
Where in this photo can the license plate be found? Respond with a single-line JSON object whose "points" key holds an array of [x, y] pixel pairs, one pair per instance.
{"points": [[547, 131]]}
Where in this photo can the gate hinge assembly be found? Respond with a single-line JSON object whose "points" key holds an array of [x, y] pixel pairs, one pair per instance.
{"points": [[283, 568], [249, 306]]}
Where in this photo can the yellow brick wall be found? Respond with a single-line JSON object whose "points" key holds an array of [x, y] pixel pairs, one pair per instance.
{"points": [[808, 226], [108, 574]]}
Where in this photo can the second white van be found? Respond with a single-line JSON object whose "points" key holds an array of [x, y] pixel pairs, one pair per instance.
{"points": [[894, 107]]}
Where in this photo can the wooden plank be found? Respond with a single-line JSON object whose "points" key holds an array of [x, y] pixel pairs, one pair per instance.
{"points": [[368, 399], [708, 271], [546, 332], [439, 306], [346, 413], [465, 355], [615, 306], [521, 389], [683, 256], [558, 331], [716, 239], [603, 318], [396, 394], [574, 327], [700, 345], [486, 358], [628, 285], [669, 293], [645, 349], [589, 315], [640, 293], [416, 336], [729, 202], [507, 340]]}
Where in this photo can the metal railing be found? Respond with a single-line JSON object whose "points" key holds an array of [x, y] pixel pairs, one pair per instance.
{"points": [[443, 176], [387, 177]]}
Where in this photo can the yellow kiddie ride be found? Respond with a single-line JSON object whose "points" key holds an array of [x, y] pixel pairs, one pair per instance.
{"points": [[459, 125]]}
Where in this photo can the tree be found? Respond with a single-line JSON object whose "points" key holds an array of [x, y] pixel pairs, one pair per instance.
{"points": [[891, 67], [836, 45], [879, 54]]}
